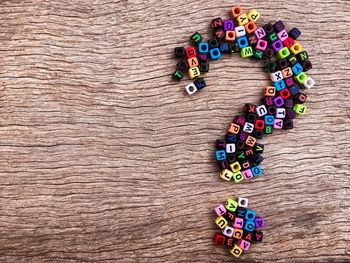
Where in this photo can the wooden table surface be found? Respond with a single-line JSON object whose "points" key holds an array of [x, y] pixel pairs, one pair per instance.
{"points": [[105, 159]]}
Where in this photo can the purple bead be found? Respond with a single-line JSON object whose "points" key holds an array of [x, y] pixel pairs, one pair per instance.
{"points": [[278, 101], [277, 45], [259, 222], [228, 25]]}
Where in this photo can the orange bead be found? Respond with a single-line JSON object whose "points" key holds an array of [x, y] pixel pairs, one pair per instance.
{"points": [[250, 27], [193, 62], [287, 72], [236, 11], [269, 91], [233, 128], [230, 36], [250, 141]]}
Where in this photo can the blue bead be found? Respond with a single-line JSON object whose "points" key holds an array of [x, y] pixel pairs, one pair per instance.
{"points": [[297, 68], [294, 90], [250, 215], [203, 47], [220, 155], [269, 120], [231, 138], [249, 226], [256, 170], [280, 85], [215, 53], [242, 42], [224, 48]]}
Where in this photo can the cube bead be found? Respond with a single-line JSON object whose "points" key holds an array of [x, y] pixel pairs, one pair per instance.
{"points": [[191, 89], [236, 251], [194, 72], [253, 15], [221, 222]]}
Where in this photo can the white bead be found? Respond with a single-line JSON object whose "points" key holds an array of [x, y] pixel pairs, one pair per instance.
{"points": [[309, 83], [276, 76], [226, 174], [280, 113], [242, 202], [228, 231], [191, 89], [248, 127], [230, 148], [261, 110], [240, 31]]}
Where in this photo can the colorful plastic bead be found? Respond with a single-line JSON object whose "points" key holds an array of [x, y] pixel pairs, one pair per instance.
{"points": [[180, 52], [246, 52], [191, 89], [178, 75], [190, 52], [253, 15], [215, 53], [236, 11], [194, 72]]}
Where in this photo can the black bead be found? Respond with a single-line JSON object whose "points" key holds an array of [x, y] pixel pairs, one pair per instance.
{"points": [[180, 52], [231, 157], [199, 83], [306, 65], [196, 38], [240, 212], [302, 56], [283, 63], [223, 165], [294, 33], [288, 124], [219, 34], [182, 65], [220, 144], [259, 134], [216, 23], [292, 60], [213, 43], [258, 148], [271, 110], [230, 138], [252, 39], [257, 159], [268, 53], [178, 75], [234, 48], [270, 66], [224, 48], [251, 117], [240, 145], [268, 28], [249, 108], [278, 26], [204, 67], [288, 103], [300, 97]]}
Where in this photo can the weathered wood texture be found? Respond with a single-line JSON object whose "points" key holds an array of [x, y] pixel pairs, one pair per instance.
{"points": [[104, 159]]}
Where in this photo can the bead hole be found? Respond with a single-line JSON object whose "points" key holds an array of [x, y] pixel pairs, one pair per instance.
{"points": [[237, 10]]}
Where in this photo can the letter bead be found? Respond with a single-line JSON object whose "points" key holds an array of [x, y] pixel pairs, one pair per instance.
{"points": [[260, 33], [253, 15], [203, 47], [242, 42], [296, 48], [240, 31], [220, 210], [278, 124], [278, 26], [269, 91], [190, 52], [196, 38], [230, 148], [276, 76], [219, 239], [249, 226], [242, 19], [228, 231], [261, 110], [226, 175], [301, 77], [309, 83], [231, 205], [247, 174], [238, 223], [238, 233], [194, 72], [248, 127], [261, 45], [237, 177], [250, 27], [180, 52], [259, 222], [280, 113], [235, 167], [236, 251], [277, 45], [257, 236], [193, 62], [216, 23], [221, 222], [283, 53], [220, 155], [191, 89], [243, 202], [215, 53], [233, 128], [228, 25], [300, 109], [282, 35], [294, 33], [250, 215], [250, 141], [243, 244], [246, 52], [256, 170], [230, 36], [178, 75]]}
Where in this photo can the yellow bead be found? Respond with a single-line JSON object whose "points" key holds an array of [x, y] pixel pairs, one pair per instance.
{"points": [[300, 109], [253, 15], [226, 174], [235, 167], [221, 222], [231, 205], [242, 19], [236, 251], [296, 48], [193, 72], [237, 177]]}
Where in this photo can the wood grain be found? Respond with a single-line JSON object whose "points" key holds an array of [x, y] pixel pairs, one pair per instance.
{"points": [[104, 159]]}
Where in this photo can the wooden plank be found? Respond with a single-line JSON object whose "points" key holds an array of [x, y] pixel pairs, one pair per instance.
{"points": [[104, 159]]}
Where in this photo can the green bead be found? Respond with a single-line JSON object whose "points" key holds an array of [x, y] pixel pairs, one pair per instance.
{"points": [[231, 205], [300, 109], [237, 177], [258, 54], [301, 77], [246, 52], [283, 53], [272, 37]]}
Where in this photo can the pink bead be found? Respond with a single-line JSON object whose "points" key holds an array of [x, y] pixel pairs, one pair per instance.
{"points": [[239, 222], [260, 33], [220, 210], [278, 124], [259, 222], [261, 45], [247, 174], [243, 244], [283, 35]]}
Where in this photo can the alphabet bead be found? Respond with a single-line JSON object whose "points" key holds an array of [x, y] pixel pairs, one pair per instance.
{"points": [[203, 47], [257, 236], [235, 167], [242, 42], [204, 67], [220, 210], [300, 109], [236, 11], [309, 83], [278, 124], [240, 31], [226, 175], [249, 226], [231, 205], [239, 223], [238, 233], [233, 128], [259, 222], [269, 91], [180, 52], [242, 19], [278, 26], [276, 76], [219, 34], [190, 52], [194, 72], [283, 53], [294, 33], [228, 25], [246, 52], [221, 222], [301, 77], [236, 251], [182, 65], [220, 155], [288, 42], [193, 62], [243, 202], [216, 23], [219, 239], [261, 45], [228, 231], [268, 28], [215, 53], [260, 33], [256, 170], [296, 48], [199, 83], [196, 38], [178, 75], [191, 89], [261, 110], [230, 36], [282, 35], [277, 45], [247, 174], [243, 244], [253, 15]]}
